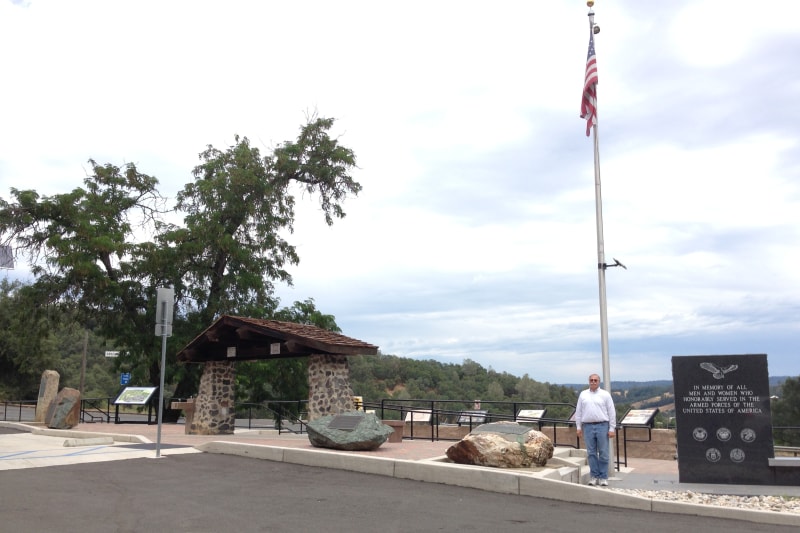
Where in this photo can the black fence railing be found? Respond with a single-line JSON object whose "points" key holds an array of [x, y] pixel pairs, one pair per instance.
{"points": [[292, 416], [438, 413], [19, 411]]}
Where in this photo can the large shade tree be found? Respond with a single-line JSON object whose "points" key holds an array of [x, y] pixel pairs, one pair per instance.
{"points": [[104, 248]]}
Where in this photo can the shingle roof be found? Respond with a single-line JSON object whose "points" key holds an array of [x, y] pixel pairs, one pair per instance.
{"points": [[244, 338]]}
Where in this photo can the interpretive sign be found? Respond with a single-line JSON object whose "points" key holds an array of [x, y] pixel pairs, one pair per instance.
{"points": [[418, 415], [472, 417], [345, 422], [639, 417], [724, 425], [135, 396], [530, 415]]}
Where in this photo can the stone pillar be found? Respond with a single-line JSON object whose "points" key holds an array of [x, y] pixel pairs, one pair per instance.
{"points": [[329, 391], [214, 412], [48, 390]]}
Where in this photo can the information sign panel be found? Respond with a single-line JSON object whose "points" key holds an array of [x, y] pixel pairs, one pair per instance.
{"points": [[639, 417], [135, 396], [472, 417], [418, 415], [530, 415]]}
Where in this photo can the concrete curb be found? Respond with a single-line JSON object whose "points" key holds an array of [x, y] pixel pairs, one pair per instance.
{"points": [[492, 480], [68, 433], [93, 441]]}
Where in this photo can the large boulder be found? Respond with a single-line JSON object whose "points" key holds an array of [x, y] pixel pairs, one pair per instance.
{"points": [[351, 431], [502, 445], [65, 409], [48, 390]]}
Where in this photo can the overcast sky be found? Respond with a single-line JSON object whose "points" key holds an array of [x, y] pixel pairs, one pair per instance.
{"points": [[474, 236]]}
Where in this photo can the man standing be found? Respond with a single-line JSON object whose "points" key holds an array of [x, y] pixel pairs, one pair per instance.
{"points": [[596, 420]]}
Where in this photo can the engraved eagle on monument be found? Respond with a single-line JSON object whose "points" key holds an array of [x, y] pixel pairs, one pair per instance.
{"points": [[717, 372]]}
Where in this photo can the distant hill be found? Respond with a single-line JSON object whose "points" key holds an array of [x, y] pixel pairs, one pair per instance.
{"points": [[652, 394], [626, 385]]}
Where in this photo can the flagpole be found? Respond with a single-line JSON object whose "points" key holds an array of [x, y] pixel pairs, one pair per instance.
{"points": [[601, 260], [589, 112]]}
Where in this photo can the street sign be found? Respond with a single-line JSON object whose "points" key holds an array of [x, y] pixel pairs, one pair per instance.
{"points": [[124, 378], [112, 354]]}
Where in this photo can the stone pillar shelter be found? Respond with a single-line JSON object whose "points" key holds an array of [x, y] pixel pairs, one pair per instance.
{"points": [[233, 339]]}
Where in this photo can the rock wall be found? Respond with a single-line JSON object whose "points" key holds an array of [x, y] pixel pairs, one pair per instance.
{"points": [[214, 412], [329, 391]]}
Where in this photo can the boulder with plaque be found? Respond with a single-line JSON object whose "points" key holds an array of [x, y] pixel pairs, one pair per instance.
{"points": [[350, 431], [502, 445]]}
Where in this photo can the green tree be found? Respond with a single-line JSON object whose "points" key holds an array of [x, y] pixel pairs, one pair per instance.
{"points": [[532, 391], [786, 413], [89, 249], [287, 378], [28, 345]]}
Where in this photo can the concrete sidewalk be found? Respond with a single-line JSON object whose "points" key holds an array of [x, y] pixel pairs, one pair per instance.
{"points": [[25, 446]]}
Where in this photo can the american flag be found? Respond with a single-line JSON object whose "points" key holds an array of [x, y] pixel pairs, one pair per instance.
{"points": [[589, 101]]}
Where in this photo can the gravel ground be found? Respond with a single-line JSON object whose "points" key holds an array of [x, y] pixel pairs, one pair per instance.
{"points": [[778, 504]]}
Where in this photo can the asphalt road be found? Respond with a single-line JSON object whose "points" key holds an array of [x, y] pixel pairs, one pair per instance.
{"points": [[218, 493]]}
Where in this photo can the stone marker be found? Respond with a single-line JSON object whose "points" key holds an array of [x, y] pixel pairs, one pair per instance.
{"points": [[363, 431], [66, 409], [502, 445], [48, 389], [724, 426]]}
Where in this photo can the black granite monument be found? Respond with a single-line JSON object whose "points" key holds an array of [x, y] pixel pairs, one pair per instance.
{"points": [[724, 425]]}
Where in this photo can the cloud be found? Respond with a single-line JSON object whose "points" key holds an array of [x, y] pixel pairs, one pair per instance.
{"points": [[475, 234]]}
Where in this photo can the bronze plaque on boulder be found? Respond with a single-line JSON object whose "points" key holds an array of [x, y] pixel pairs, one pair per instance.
{"points": [[345, 422], [499, 427]]}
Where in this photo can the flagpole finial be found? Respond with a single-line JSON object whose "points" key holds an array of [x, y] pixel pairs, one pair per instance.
{"points": [[590, 3]]}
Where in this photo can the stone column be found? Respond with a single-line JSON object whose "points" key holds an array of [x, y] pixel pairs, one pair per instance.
{"points": [[329, 391], [214, 412], [48, 390]]}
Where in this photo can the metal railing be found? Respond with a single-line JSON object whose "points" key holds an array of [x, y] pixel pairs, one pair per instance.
{"points": [[19, 411], [96, 410], [438, 413], [291, 416], [288, 416]]}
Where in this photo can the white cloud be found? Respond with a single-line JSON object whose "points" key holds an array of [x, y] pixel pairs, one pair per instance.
{"points": [[474, 236]]}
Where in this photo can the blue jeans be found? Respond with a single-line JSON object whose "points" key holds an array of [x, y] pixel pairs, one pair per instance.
{"points": [[596, 438]]}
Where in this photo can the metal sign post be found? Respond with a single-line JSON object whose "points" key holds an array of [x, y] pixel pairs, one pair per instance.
{"points": [[166, 300]]}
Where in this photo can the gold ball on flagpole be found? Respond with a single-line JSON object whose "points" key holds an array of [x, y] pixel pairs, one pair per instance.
{"points": [[590, 3], [596, 29]]}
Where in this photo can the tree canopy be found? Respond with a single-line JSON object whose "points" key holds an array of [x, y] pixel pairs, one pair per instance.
{"points": [[103, 249]]}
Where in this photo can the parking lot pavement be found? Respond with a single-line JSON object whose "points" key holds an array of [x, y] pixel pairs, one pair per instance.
{"points": [[22, 449], [213, 493]]}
